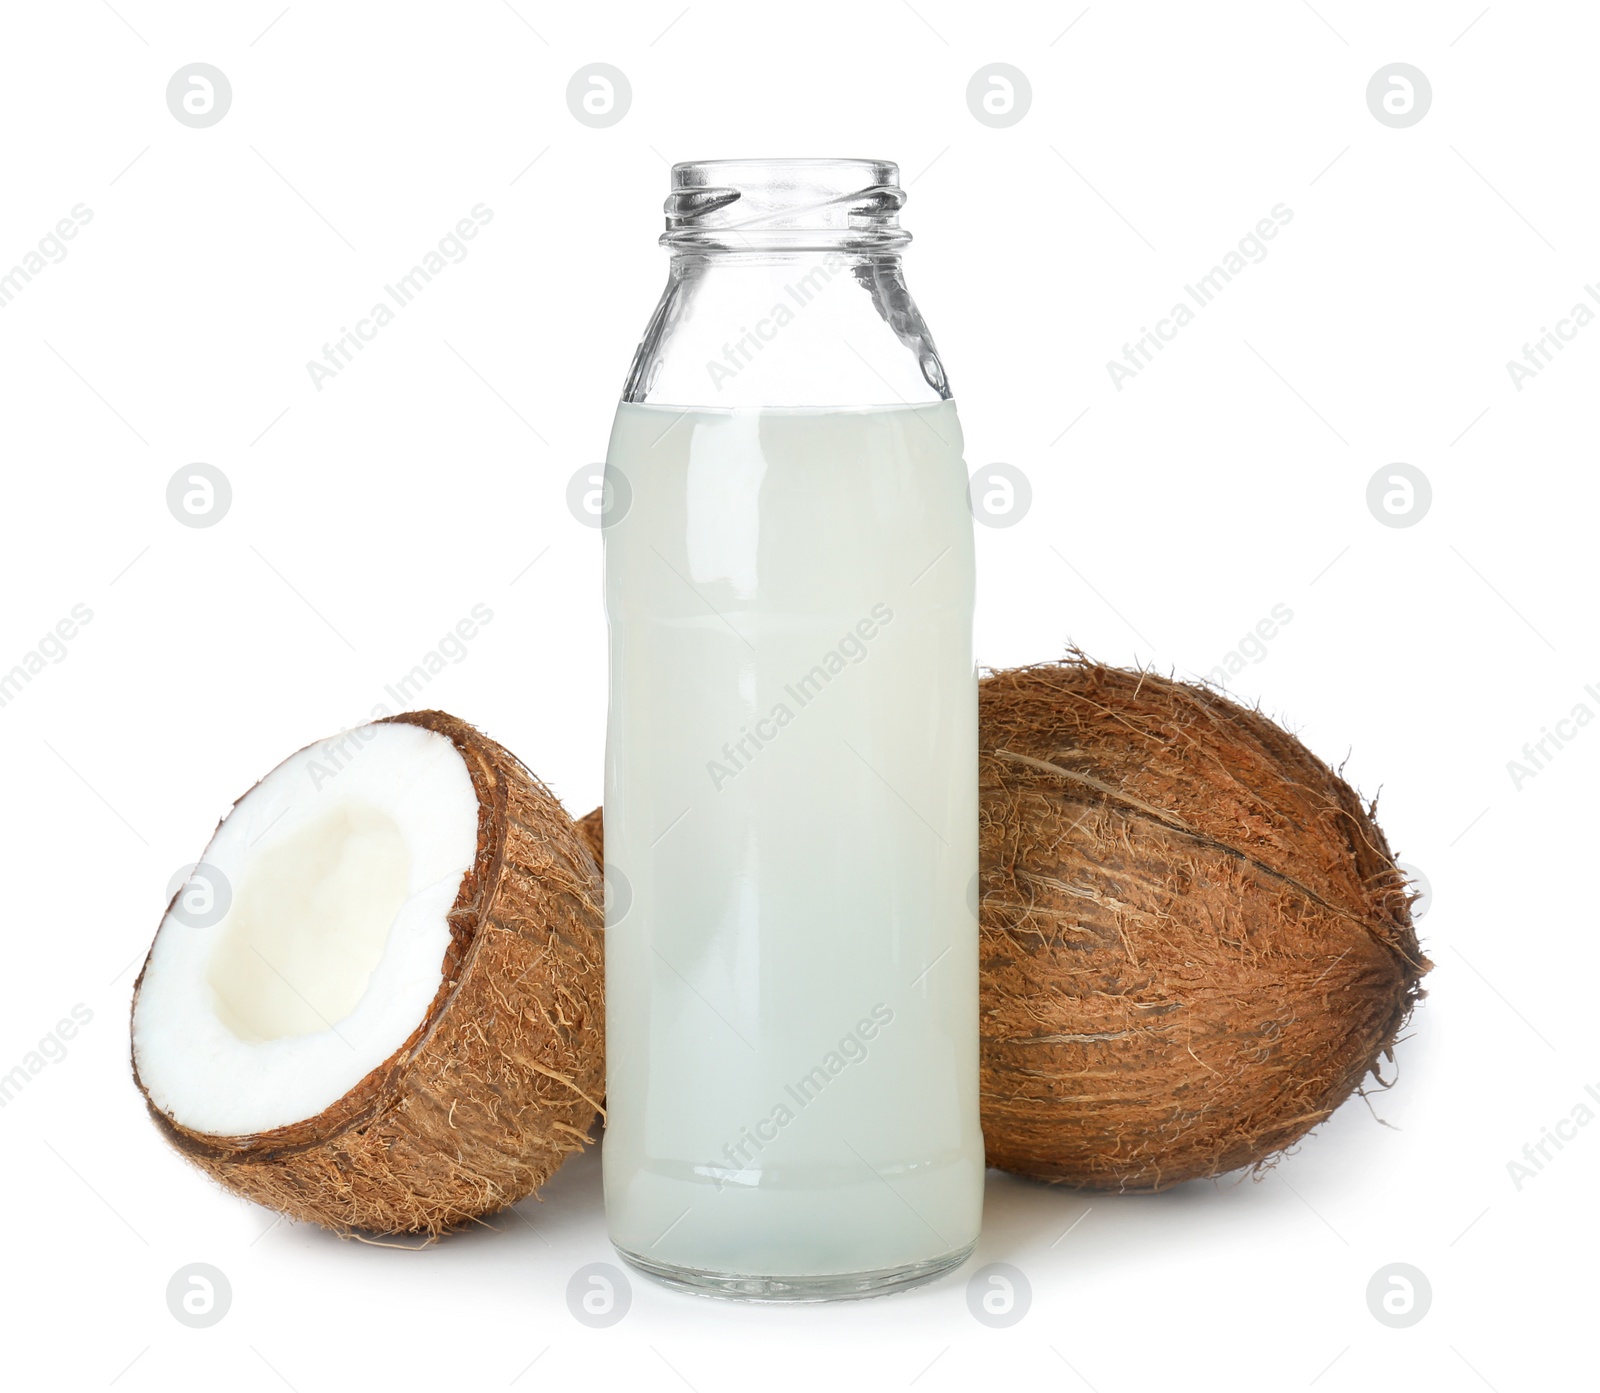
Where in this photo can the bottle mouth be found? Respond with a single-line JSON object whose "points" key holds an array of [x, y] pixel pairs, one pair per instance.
{"points": [[785, 205]]}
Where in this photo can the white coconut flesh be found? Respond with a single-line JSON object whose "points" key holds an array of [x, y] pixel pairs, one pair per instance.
{"points": [[343, 864]]}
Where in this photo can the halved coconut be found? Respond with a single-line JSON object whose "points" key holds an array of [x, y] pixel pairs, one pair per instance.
{"points": [[391, 1017]]}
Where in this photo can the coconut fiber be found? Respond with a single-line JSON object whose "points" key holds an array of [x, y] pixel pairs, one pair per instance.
{"points": [[501, 1079], [1195, 941]]}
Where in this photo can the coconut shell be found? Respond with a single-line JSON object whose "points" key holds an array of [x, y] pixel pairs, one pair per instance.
{"points": [[1195, 940], [498, 1082]]}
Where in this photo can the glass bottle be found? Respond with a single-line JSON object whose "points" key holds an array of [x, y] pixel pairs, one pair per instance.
{"points": [[791, 756]]}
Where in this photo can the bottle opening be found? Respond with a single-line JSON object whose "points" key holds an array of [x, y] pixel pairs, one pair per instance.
{"points": [[788, 204]]}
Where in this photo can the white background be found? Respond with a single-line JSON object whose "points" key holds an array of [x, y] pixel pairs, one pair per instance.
{"points": [[1168, 518]]}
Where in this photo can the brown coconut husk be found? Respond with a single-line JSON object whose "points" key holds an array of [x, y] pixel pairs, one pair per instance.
{"points": [[1195, 940], [499, 1081], [591, 827]]}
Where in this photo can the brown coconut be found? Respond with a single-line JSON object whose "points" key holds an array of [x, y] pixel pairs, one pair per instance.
{"points": [[1195, 941], [499, 1081], [591, 827]]}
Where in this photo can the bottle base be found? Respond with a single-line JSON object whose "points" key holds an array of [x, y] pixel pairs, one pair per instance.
{"points": [[838, 1286]]}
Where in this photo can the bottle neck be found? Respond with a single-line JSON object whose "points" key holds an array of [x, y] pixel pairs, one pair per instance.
{"points": [[750, 206], [785, 290], [816, 326]]}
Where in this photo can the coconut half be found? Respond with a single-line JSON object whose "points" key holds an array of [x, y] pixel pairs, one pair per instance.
{"points": [[385, 1011]]}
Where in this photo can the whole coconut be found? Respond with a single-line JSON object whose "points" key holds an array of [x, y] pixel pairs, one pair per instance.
{"points": [[592, 828], [1195, 940]]}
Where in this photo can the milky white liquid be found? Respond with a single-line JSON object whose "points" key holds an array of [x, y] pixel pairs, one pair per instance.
{"points": [[791, 842]]}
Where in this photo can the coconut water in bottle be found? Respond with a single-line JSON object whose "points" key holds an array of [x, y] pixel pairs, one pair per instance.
{"points": [[791, 757]]}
